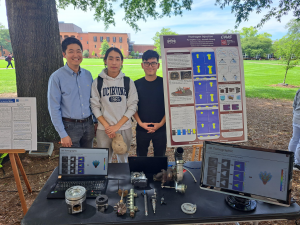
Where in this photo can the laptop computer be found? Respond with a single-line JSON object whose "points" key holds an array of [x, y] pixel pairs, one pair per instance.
{"points": [[87, 167], [148, 165]]}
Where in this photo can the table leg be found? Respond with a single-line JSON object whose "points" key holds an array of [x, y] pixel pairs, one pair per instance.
{"points": [[18, 181], [19, 163]]}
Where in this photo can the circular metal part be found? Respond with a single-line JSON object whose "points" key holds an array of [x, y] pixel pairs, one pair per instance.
{"points": [[101, 203], [180, 188], [188, 208], [76, 199]]}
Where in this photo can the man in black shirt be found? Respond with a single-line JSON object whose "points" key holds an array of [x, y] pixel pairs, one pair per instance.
{"points": [[150, 116]]}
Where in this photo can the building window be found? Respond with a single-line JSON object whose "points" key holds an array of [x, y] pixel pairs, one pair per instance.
{"points": [[120, 39], [87, 42], [95, 46], [107, 38], [120, 46], [114, 39], [66, 36], [81, 38], [72, 36], [95, 54], [95, 39], [101, 39]]}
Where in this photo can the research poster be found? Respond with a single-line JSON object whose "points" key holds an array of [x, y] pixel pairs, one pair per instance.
{"points": [[204, 88], [18, 123]]}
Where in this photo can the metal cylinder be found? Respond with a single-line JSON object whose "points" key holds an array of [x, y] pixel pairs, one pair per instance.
{"points": [[101, 203], [76, 199]]}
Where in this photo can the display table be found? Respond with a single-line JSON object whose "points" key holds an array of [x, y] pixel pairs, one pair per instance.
{"points": [[211, 206]]}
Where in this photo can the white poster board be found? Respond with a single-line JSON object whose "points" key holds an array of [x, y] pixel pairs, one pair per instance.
{"points": [[204, 88], [18, 123]]}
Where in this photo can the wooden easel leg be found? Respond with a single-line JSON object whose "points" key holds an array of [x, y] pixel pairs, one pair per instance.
{"points": [[200, 150], [19, 163], [194, 151], [18, 181]]}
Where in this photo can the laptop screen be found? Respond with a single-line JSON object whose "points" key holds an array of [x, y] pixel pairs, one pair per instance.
{"points": [[83, 161]]}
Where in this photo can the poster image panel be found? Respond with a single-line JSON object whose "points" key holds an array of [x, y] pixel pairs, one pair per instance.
{"points": [[204, 88]]}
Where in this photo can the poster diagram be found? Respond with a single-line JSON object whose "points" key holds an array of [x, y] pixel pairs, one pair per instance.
{"points": [[204, 79]]}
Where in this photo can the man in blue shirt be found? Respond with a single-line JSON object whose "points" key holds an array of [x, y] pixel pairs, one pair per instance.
{"points": [[69, 91]]}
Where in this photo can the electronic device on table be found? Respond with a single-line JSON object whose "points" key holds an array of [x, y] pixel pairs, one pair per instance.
{"points": [[87, 167], [247, 174]]}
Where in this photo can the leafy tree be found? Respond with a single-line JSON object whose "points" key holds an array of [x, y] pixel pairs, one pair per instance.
{"points": [[4, 39], [242, 9], [137, 54], [104, 48], [288, 47], [252, 43], [93, 53], [258, 45], [134, 10], [40, 33], [86, 53], [132, 53], [156, 38], [122, 52]]}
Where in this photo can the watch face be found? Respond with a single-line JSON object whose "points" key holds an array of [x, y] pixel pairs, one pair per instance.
{"points": [[174, 75]]}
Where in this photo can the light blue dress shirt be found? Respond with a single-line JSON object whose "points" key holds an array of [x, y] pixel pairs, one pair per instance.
{"points": [[69, 96]]}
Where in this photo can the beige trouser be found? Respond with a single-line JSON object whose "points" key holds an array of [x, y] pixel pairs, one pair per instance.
{"points": [[103, 141]]}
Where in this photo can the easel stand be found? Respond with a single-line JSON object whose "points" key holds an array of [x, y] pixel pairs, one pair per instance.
{"points": [[194, 151], [15, 160]]}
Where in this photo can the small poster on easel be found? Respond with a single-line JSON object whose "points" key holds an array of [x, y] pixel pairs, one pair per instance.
{"points": [[204, 88], [18, 123]]}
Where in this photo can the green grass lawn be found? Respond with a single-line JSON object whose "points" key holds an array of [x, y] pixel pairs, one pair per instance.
{"points": [[259, 75]]}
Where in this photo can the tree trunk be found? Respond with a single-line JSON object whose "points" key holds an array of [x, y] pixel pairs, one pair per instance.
{"points": [[34, 32], [1, 48], [287, 68]]}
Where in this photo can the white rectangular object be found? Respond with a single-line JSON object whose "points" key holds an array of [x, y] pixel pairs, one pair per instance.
{"points": [[18, 123]]}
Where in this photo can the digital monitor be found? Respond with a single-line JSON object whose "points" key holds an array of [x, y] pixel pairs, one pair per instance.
{"points": [[83, 161], [247, 172]]}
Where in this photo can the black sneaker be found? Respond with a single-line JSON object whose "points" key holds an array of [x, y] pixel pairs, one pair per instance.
{"points": [[296, 167]]}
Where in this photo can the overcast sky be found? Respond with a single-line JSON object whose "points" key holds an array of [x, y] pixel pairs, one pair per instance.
{"points": [[204, 18]]}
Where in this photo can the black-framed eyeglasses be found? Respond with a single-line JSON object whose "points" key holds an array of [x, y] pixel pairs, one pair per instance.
{"points": [[150, 63]]}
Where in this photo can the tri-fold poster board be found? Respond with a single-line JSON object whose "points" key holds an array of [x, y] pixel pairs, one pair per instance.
{"points": [[204, 88]]}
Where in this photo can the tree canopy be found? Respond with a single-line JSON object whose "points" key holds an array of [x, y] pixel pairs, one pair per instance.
{"points": [[243, 8], [4, 39], [104, 10], [156, 38], [252, 43]]}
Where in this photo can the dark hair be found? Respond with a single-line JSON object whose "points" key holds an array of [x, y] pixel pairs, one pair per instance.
{"points": [[113, 49], [149, 54], [69, 41]]}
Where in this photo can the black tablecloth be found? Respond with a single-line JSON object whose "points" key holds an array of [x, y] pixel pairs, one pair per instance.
{"points": [[211, 206]]}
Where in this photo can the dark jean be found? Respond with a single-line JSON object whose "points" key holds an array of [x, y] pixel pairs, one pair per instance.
{"points": [[9, 63], [81, 134], [159, 140]]}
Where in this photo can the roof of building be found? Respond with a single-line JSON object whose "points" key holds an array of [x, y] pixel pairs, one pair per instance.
{"points": [[69, 27]]}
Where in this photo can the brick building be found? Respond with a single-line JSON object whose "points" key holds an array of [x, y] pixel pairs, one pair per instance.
{"points": [[92, 41], [142, 48], [5, 52]]}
